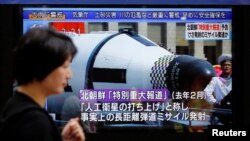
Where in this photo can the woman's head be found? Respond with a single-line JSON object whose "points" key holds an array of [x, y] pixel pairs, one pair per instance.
{"points": [[39, 52]]}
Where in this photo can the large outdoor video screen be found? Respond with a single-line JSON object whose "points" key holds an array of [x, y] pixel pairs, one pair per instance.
{"points": [[140, 67]]}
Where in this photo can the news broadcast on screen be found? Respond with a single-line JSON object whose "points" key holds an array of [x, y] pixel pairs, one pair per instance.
{"points": [[149, 67], [139, 67]]}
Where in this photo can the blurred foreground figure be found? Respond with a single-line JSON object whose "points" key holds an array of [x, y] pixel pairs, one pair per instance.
{"points": [[41, 68]]}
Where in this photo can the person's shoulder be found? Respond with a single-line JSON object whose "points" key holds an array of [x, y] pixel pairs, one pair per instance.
{"points": [[216, 78], [213, 80], [34, 124], [35, 115]]}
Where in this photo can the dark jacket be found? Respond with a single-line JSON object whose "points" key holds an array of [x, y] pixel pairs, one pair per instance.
{"points": [[27, 121]]}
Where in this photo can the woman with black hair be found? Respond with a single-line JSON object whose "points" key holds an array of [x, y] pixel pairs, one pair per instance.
{"points": [[41, 69]]}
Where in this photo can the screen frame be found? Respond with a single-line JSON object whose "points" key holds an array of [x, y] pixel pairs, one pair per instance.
{"points": [[241, 68]]}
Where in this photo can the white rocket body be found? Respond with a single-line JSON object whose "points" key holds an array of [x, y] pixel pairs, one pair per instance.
{"points": [[119, 52], [126, 60]]}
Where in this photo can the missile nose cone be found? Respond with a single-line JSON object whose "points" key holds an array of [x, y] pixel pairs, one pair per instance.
{"points": [[201, 73], [187, 73]]}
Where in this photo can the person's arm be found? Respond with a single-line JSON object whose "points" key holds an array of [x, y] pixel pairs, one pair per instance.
{"points": [[209, 90]]}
